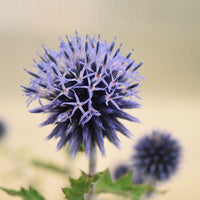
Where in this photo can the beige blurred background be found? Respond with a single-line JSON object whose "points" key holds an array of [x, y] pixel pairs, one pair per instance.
{"points": [[165, 35]]}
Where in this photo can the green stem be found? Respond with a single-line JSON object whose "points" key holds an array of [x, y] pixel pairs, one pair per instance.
{"points": [[92, 170]]}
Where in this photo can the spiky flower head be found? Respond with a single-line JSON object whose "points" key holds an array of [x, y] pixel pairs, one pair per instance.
{"points": [[156, 158], [86, 85], [120, 171]]}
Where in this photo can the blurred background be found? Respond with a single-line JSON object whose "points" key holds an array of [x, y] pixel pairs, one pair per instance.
{"points": [[164, 34]]}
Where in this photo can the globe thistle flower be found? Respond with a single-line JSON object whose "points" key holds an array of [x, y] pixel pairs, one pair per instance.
{"points": [[86, 85], [120, 171], [156, 158]]}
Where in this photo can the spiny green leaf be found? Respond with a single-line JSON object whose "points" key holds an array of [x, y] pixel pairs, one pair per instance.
{"points": [[49, 166], [30, 194], [122, 186], [80, 187], [104, 184]]}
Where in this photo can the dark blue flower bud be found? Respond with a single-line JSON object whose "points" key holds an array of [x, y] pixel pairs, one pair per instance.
{"points": [[156, 157], [120, 171]]}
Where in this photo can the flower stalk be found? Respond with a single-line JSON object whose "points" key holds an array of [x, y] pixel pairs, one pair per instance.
{"points": [[92, 170]]}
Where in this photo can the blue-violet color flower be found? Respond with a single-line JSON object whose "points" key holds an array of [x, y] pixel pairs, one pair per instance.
{"points": [[156, 157], [86, 85]]}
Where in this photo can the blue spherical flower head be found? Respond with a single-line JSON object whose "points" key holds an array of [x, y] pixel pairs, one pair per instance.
{"points": [[120, 171], [157, 157], [86, 84]]}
